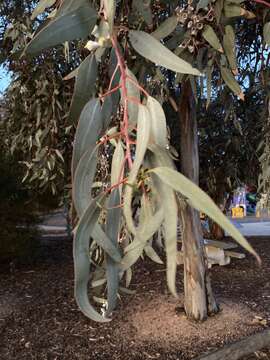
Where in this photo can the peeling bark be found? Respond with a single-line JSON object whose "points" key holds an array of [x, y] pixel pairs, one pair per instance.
{"points": [[199, 299]]}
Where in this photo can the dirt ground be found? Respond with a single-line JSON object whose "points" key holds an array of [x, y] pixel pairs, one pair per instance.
{"points": [[39, 318]]}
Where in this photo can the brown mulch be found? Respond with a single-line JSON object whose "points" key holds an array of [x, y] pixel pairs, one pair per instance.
{"points": [[39, 318]]}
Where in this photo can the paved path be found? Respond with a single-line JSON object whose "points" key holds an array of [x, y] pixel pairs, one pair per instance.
{"points": [[253, 226]]}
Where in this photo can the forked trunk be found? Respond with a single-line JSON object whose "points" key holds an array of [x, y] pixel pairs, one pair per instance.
{"points": [[199, 300]]}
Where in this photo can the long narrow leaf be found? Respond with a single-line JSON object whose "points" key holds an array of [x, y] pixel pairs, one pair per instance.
{"points": [[202, 202], [74, 20], [112, 230], [150, 48]]}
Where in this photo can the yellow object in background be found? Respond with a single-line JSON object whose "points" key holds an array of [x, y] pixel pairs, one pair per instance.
{"points": [[237, 212]]}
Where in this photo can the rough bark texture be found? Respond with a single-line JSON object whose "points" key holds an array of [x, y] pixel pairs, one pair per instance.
{"points": [[199, 300]]}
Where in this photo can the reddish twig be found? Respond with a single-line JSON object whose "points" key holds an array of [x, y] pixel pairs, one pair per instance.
{"points": [[122, 68], [263, 2], [111, 91], [113, 76], [117, 185]]}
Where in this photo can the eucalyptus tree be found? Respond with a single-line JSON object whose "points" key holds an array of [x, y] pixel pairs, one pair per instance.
{"points": [[137, 52]]}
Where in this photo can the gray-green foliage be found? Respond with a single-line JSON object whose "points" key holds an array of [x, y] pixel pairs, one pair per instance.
{"points": [[116, 225]]}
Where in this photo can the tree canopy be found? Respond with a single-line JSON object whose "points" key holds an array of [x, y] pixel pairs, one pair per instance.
{"points": [[137, 56]]}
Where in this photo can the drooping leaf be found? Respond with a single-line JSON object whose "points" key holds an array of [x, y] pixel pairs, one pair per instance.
{"points": [[133, 94], [143, 134], [211, 37], [110, 7], [88, 131], [84, 87], [83, 180], [158, 122], [147, 228], [218, 8], [112, 230], [75, 19], [266, 33], [81, 262], [106, 112], [41, 7], [161, 157], [202, 202], [229, 47], [150, 48], [151, 253], [117, 163], [231, 82], [166, 28]]}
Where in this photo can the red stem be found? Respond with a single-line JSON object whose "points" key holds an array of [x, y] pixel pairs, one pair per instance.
{"points": [[262, 2], [122, 67], [111, 91]]}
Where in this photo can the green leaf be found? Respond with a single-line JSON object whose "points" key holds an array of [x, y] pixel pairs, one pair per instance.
{"points": [[232, 10], [211, 37], [218, 8], [150, 48], [144, 8], [229, 47], [84, 87], [117, 162], [81, 262], [266, 33], [133, 92], [112, 230], [158, 122], [202, 202], [106, 112], [202, 4], [166, 28], [88, 131], [151, 253], [161, 157], [147, 228], [231, 82], [110, 8], [83, 180], [41, 7], [75, 19], [143, 134]]}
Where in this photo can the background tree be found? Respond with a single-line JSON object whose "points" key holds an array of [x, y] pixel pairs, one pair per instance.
{"points": [[120, 114]]}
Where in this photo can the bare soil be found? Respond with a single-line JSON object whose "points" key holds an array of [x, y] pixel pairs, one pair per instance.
{"points": [[39, 318]]}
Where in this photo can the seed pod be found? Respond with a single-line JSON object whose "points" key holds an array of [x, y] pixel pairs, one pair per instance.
{"points": [[199, 26], [184, 44], [210, 18], [194, 31], [190, 24], [229, 47], [190, 9], [231, 82], [210, 36], [183, 18], [191, 48]]}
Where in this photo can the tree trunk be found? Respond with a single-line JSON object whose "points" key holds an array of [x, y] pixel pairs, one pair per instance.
{"points": [[199, 300]]}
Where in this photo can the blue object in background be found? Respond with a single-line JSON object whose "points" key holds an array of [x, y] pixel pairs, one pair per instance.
{"points": [[5, 79]]}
